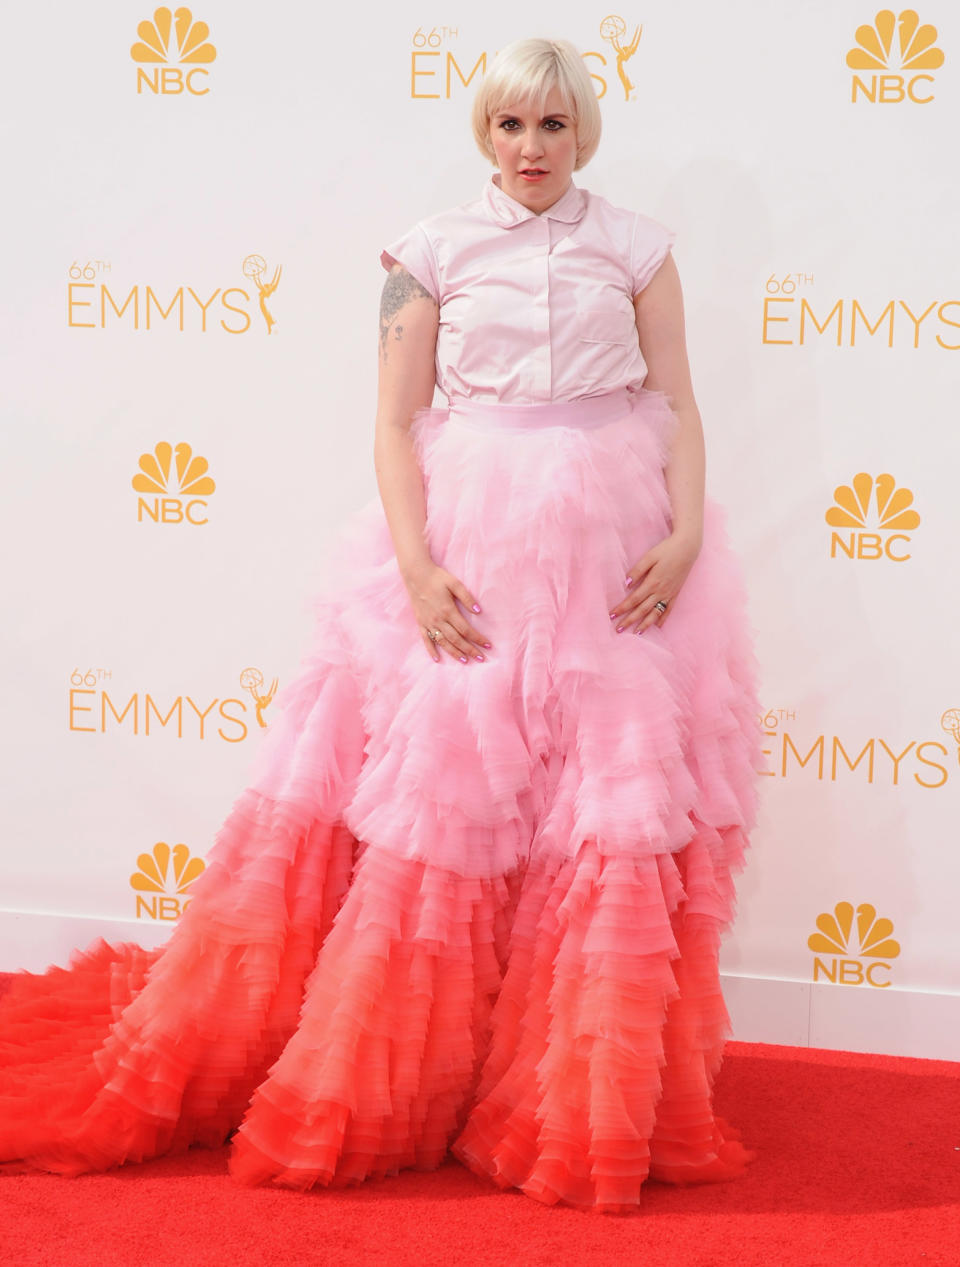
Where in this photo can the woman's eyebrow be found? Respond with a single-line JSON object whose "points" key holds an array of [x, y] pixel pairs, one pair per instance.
{"points": [[512, 114]]}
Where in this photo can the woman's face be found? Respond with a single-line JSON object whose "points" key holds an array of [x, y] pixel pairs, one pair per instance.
{"points": [[535, 152]]}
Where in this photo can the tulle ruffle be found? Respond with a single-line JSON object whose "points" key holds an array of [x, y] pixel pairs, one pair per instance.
{"points": [[129, 1054], [609, 1029], [395, 1025], [336, 988], [568, 731]]}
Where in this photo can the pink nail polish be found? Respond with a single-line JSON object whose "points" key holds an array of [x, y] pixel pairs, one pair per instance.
{"points": [[488, 646], [629, 581], [476, 608], [480, 657], [619, 628], [613, 615]]}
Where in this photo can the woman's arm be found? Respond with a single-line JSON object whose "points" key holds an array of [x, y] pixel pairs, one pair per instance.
{"points": [[660, 574], [663, 342], [409, 321]]}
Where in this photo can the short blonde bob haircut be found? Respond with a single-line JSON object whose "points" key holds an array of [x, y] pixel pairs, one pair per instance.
{"points": [[526, 71]]}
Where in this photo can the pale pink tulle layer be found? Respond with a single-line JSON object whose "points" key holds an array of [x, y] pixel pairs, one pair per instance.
{"points": [[520, 957]]}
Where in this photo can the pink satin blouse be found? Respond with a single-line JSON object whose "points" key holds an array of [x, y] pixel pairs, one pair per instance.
{"points": [[534, 308]]}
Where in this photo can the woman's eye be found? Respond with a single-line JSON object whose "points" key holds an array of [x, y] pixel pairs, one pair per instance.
{"points": [[510, 125], [554, 125]]}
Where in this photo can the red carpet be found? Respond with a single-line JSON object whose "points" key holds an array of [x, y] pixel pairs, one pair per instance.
{"points": [[859, 1165]]}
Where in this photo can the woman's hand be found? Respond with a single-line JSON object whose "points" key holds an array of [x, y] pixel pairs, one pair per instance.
{"points": [[658, 577], [434, 593]]}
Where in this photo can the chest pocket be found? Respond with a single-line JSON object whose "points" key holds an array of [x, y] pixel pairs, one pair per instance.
{"points": [[606, 325]]}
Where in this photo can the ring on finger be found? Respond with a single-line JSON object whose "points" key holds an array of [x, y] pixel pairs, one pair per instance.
{"points": [[434, 635], [660, 605]]}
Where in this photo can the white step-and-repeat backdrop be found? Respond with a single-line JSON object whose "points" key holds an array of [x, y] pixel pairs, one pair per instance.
{"points": [[195, 205]]}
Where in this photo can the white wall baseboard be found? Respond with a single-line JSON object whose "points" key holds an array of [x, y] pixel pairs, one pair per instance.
{"points": [[887, 1020], [860, 1018]]}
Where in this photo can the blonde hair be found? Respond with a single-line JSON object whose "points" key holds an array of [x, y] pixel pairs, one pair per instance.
{"points": [[527, 70]]}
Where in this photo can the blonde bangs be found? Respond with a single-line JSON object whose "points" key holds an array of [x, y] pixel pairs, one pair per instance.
{"points": [[526, 71]]}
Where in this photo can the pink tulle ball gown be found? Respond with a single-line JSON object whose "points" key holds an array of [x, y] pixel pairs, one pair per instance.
{"points": [[460, 907]]}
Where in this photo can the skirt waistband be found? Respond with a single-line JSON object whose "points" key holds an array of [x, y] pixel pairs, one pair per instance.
{"points": [[592, 411]]}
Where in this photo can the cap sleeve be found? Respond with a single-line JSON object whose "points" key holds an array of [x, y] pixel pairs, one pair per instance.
{"points": [[415, 253], [651, 242]]}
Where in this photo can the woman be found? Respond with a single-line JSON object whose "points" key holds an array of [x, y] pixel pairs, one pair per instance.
{"points": [[474, 894]]}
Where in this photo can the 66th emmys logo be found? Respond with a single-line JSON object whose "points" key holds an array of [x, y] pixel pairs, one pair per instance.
{"points": [[844, 963], [862, 759], [793, 317], [94, 303], [178, 482], [97, 706], [439, 68], [173, 38], [899, 68], [878, 518], [166, 887]]}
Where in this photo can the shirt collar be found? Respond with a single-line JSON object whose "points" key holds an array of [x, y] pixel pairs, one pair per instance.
{"points": [[507, 211]]}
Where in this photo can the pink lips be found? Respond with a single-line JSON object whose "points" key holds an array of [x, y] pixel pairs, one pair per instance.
{"points": [[533, 173]]}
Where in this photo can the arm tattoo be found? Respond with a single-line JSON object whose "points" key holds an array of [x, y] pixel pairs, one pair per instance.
{"points": [[398, 290]]}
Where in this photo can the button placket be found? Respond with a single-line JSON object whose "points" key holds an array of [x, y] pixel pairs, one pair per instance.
{"points": [[546, 227], [536, 367]]}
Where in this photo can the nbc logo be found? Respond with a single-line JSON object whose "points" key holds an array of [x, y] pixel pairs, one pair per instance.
{"points": [[189, 479], [190, 49], [852, 510], [153, 876], [873, 942], [915, 51]]}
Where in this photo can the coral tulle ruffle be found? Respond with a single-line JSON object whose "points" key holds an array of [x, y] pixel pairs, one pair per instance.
{"points": [[473, 906]]}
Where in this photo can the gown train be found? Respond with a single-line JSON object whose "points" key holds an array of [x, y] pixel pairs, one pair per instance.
{"points": [[471, 906]]}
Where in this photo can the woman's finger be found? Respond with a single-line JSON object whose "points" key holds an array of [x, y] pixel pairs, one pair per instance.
{"points": [[479, 642], [640, 569], [460, 591], [463, 626], [645, 613], [431, 647], [640, 591], [627, 609], [456, 645], [636, 614], [654, 616]]}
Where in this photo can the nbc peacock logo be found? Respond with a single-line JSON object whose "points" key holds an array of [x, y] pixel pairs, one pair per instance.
{"points": [[175, 482], [874, 518], [176, 49], [900, 51], [844, 965], [162, 889]]}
